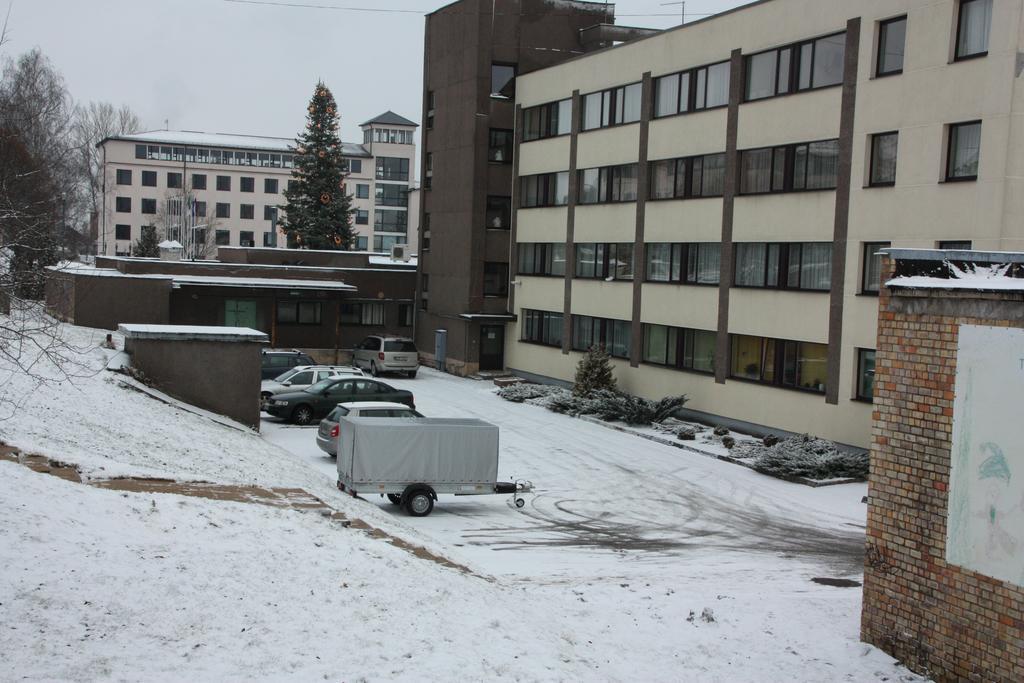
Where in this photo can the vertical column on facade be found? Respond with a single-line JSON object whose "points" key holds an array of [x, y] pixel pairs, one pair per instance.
{"points": [[732, 176], [842, 213], [570, 225], [513, 249], [642, 183]]}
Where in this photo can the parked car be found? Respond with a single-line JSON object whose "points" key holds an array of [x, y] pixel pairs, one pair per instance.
{"points": [[302, 407], [327, 435], [300, 377], [276, 361], [381, 353]]}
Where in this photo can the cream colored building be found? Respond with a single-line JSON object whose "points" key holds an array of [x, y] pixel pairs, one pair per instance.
{"points": [[754, 162], [239, 180]]}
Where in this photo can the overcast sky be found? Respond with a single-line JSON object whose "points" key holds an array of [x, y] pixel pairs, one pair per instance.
{"points": [[238, 67]]}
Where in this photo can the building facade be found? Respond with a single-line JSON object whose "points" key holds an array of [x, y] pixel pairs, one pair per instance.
{"points": [[708, 202], [237, 183]]}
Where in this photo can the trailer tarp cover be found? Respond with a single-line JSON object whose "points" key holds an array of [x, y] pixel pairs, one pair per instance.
{"points": [[421, 450]]}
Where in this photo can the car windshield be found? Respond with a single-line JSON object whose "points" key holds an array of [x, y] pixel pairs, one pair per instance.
{"points": [[320, 386], [406, 346], [285, 375]]}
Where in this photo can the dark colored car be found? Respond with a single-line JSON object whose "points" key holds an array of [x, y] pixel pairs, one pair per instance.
{"points": [[302, 407], [276, 362]]}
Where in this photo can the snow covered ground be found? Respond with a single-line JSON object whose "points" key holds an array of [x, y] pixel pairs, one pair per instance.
{"points": [[633, 561]]}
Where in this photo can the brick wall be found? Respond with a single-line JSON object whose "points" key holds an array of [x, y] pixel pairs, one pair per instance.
{"points": [[939, 619]]}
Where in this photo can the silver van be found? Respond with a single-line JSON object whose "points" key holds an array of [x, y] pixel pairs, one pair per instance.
{"points": [[381, 353]]}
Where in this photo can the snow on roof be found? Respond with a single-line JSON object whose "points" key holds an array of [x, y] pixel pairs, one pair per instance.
{"points": [[390, 118], [170, 244], [231, 140], [991, 278], [187, 332], [266, 282], [487, 316], [376, 260]]}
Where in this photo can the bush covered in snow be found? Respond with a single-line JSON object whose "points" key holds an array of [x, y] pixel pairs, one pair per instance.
{"points": [[604, 404], [525, 391], [807, 456]]}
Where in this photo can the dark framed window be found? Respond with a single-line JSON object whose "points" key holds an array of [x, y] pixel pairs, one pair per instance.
{"points": [[780, 362], [545, 189], [503, 81], [392, 168], [247, 184], [298, 312], [246, 211], [223, 183], [614, 336], [174, 180], [355, 166], [198, 181], [405, 315], [701, 176], [865, 374], [884, 147], [547, 120], [542, 258], [499, 146], [387, 194], [390, 220], [694, 263], [270, 239], [811, 64], [362, 191], [964, 151], [270, 213], [362, 217], [123, 204], [200, 209], [678, 347], [611, 107], [140, 152], [784, 265], [362, 313], [223, 210], [608, 184], [149, 206], [222, 237], [892, 39], [974, 22], [495, 279], [122, 232], [362, 243], [955, 245], [499, 212], [871, 274], [606, 261], [270, 185], [124, 176], [246, 238], [790, 168], [149, 178], [385, 242], [704, 87], [541, 327]]}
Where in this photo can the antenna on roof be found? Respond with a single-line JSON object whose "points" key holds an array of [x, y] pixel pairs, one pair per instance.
{"points": [[167, 124], [682, 10]]}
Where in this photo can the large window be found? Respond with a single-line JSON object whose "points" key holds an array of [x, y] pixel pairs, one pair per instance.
{"points": [[705, 87], [149, 206], [362, 191], [122, 232], [247, 184], [124, 176], [246, 238], [495, 279], [123, 204], [545, 189], [801, 166], [392, 168], [811, 64], [174, 180], [542, 258], [883, 159], [362, 313], [964, 151], [222, 237], [390, 220], [892, 38], [499, 212], [679, 347], [702, 176], [385, 242], [270, 185], [499, 147], [973, 26], [871, 275], [865, 374], [149, 178], [785, 265], [298, 312], [795, 364], [547, 120], [386, 194], [223, 183], [611, 107], [695, 263], [362, 217], [608, 184], [541, 327], [612, 335], [247, 211], [198, 181], [607, 261], [223, 210], [503, 81]]}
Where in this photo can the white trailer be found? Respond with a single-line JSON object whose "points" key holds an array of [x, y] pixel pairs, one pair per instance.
{"points": [[411, 460]]}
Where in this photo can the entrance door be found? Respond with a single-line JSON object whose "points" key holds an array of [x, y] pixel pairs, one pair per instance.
{"points": [[240, 313], [492, 347]]}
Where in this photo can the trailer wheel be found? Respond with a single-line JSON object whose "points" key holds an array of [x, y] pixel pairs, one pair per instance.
{"points": [[418, 502], [395, 498]]}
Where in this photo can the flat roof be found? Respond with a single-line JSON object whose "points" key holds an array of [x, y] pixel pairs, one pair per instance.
{"points": [[192, 333], [201, 139], [179, 280]]}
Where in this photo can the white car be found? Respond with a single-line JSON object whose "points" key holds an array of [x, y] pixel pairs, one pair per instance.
{"points": [[301, 377], [327, 434]]}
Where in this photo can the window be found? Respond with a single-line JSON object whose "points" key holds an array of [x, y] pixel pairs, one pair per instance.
{"points": [[542, 259], [702, 176], [704, 87], [362, 243], [270, 239], [298, 312], [362, 191], [174, 180], [892, 38], [392, 168], [200, 209], [785, 265], [802, 166], [123, 204], [390, 220], [546, 189], [269, 213], [223, 183], [816, 63], [405, 315], [223, 210], [964, 151], [270, 185], [608, 261], [495, 279], [355, 166], [794, 364], [247, 184], [608, 184], [547, 120], [678, 347], [613, 335], [122, 232], [695, 263], [541, 327], [385, 242], [149, 178], [499, 147], [149, 206], [387, 194], [503, 81], [865, 374], [711, 86], [362, 217], [246, 239], [124, 176], [972, 28], [872, 274], [956, 245], [365, 313], [140, 151], [430, 109], [222, 237], [883, 159], [246, 211], [611, 107]]}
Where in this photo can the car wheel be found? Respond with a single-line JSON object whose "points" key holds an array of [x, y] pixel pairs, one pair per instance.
{"points": [[373, 369], [302, 415]]}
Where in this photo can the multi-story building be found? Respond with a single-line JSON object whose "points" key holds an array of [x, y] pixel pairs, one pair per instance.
{"points": [[238, 181], [708, 202]]}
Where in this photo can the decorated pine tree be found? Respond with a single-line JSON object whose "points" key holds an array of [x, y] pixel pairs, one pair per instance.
{"points": [[317, 215], [593, 372]]}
